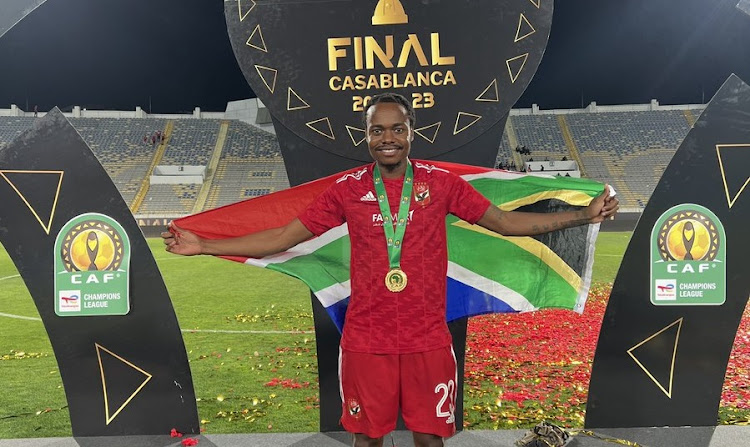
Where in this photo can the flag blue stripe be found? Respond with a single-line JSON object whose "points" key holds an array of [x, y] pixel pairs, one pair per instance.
{"points": [[463, 301], [466, 301], [337, 312]]}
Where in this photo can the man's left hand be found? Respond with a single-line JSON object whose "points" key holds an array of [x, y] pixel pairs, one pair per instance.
{"points": [[603, 206]]}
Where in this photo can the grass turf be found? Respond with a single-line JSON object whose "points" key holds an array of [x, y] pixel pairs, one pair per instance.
{"points": [[244, 382]]}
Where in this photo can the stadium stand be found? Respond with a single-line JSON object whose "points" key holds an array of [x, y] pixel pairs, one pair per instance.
{"points": [[11, 127], [628, 146], [251, 165], [542, 135], [504, 152], [170, 200], [119, 146], [192, 142], [629, 149]]}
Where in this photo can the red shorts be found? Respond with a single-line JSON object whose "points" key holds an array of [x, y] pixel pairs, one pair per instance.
{"points": [[375, 386]]}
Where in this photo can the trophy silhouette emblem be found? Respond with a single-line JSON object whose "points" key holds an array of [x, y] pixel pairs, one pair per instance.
{"points": [[389, 12], [92, 249], [688, 238]]}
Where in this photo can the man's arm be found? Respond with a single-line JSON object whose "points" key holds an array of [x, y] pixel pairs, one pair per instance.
{"points": [[254, 245], [515, 223]]}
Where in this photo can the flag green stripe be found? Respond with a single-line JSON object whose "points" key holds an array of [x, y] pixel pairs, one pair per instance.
{"points": [[323, 268], [506, 263]]}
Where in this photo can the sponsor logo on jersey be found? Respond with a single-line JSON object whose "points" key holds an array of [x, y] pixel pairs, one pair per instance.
{"points": [[369, 197], [377, 218]]}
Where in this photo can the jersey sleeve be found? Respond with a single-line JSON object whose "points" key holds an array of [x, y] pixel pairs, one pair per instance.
{"points": [[324, 213], [465, 202]]}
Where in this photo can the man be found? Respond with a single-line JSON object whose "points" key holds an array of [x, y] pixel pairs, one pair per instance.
{"points": [[396, 348]]}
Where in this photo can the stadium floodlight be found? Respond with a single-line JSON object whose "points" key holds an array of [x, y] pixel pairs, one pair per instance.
{"points": [[14, 11], [744, 6]]}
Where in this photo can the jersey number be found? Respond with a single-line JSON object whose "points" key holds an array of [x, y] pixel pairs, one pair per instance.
{"points": [[448, 390]]}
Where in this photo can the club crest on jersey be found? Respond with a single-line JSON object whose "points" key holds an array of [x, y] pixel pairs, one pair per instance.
{"points": [[354, 410], [422, 193]]}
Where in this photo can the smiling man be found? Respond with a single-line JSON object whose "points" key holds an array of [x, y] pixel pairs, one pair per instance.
{"points": [[396, 348]]}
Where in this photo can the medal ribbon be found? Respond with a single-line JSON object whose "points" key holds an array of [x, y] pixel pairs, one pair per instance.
{"points": [[394, 237]]}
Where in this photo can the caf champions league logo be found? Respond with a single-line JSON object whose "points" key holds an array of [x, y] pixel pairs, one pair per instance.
{"points": [[688, 258], [92, 267], [92, 245], [688, 236]]}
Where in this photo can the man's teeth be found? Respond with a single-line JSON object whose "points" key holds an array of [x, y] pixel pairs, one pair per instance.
{"points": [[389, 151]]}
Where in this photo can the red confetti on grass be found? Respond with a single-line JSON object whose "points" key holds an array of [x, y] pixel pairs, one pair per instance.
{"points": [[524, 368], [286, 383]]}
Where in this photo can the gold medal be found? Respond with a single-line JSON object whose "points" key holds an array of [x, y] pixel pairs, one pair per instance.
{"points": [[395, 280]]}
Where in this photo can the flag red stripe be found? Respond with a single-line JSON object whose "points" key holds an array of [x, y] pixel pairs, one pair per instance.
{"points": [[278, 208]]}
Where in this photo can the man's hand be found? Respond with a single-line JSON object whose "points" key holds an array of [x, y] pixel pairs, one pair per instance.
{"points": [[603, 206], [181, 242], [252, 245], [515, 223]]}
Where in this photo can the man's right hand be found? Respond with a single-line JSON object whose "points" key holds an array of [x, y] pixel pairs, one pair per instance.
{"points": [[181, 242]]}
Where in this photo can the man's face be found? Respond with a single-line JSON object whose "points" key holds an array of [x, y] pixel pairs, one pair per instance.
{"points": [[389, 134]]}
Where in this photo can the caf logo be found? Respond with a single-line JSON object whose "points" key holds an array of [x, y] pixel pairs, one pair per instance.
{"points": [[688, 235], [92, 245]]}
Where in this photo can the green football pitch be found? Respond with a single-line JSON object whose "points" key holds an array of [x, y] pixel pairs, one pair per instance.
{"points": [[249, 336]]}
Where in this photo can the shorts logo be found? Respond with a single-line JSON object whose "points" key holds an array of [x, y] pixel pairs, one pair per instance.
{"points": [[354, 410], [688, 258], [422, 193]]}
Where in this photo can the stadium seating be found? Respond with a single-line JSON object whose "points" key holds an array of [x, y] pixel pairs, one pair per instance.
{"points": [[250, 165], [192, 142], [11, 127], [170, 200], [629, 149], [628, 132], [119, 146], [505, 152], [540, 134]]}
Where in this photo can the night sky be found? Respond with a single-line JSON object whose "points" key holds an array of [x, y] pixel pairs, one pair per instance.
{"points": [[175, 54]]}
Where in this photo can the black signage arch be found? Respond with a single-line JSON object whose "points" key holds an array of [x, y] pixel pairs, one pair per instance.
{"points": [[683, 285], [316, 63], [96, 286]]}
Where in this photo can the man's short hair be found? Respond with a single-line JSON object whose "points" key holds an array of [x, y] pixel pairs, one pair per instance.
{"points": [[395, 98]]}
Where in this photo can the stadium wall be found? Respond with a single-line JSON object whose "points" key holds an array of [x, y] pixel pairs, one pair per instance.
{"points": [[246, 110], [593, 107]]}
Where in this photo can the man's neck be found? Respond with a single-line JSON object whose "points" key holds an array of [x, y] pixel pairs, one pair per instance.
{"points": [[393, 171]]}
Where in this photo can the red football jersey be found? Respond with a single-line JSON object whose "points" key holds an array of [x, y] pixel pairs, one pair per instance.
{"points": [[413, 320]]}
